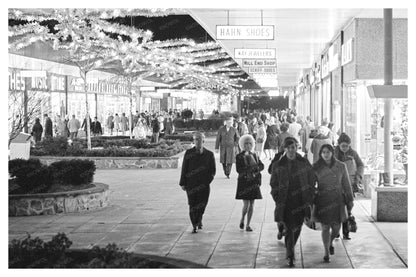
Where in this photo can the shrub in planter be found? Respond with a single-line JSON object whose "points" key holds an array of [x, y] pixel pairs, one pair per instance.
{"points": [[34, 253], [179, 137], [30, 175], [186, 114], [54, 146], [73, 172]]}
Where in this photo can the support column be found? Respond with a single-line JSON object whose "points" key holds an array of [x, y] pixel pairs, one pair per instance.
{"points": [[388, 108]]}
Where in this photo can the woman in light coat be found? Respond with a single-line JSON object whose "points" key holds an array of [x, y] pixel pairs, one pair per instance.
{"points": [[334, 196], [260, 138]]}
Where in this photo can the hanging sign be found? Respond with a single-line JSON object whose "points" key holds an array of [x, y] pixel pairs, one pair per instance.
{"points": [[262, 70], [250, 53], [262, 63], [248, 32]]}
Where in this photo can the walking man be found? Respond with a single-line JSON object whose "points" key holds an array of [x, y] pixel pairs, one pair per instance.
{"points": [[48, 126], [198, 171], [227, 142]]}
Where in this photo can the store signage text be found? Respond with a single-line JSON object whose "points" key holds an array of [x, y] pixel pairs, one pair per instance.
{"points": [[16, 81], [346, 52], [262, 70], [252, 32], [57, 83], [39, 83], [263, 63], [77, 85], [260, 53]]}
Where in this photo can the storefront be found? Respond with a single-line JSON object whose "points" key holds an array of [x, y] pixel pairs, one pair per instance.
{"points": [[363, 66]]}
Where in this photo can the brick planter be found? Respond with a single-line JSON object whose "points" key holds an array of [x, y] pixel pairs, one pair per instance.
{"points": [[124, 162], [59, 202]]}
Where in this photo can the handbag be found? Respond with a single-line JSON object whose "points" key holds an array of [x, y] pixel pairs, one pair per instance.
{"points": [[352, 224]]}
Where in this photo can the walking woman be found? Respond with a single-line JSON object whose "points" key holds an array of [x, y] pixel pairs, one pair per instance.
{"points": [[334, 196], [249, 178], [260, 138], [355, 168], [292, 184]]}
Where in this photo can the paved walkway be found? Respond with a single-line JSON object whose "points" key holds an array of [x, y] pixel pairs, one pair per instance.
{"points": [[149, 214]]}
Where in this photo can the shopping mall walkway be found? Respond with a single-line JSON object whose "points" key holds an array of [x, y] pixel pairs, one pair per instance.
{"points": [[149, 214]]}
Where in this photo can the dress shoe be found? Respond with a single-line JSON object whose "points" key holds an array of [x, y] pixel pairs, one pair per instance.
{"points": [[331, 250], [200, 225], [194, 231], [279, 235], [291, 262], [241, 225], [346, 237], [326, 259], [248, 229], [228, 176]]}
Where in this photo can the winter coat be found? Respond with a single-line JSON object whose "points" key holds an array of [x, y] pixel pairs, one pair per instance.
{"points": [[355, 165], [272, 140], [37, 130], [96, 127], [227, 142], [48, 127], [249, 176], [282, 137], [279, 182], [124, 123], [73, 125], [198, 171], [333, 194], [316, 145]]}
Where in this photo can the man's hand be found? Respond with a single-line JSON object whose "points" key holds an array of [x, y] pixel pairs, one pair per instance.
{"points": [[217, 150], [183, 187]]}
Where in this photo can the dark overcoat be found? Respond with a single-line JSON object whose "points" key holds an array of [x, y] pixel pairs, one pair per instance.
{"points": [[247, 187], [198, 171], [279, 182], [227, 142]]}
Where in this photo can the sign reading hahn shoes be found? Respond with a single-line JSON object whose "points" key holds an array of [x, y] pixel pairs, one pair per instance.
{"points": [[251, 32]]}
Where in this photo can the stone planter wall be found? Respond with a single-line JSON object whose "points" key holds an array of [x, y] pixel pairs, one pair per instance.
{"points": [[59, 202], [124, 162], [389, 204]]}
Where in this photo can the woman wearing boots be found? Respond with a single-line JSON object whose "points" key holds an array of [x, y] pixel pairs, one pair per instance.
{"points": [[334, 195], [355, 168], [292, 184], [249, 178]]}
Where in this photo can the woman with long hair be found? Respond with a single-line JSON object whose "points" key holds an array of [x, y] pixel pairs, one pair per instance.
{"points": [[249, 178], [334, 196]]}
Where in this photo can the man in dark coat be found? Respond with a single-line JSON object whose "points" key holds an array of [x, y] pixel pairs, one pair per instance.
{"points": [[37, 130], [227, 143], [168, 125], [96, 127], [198, 171], [48, 126], [292, 184]]}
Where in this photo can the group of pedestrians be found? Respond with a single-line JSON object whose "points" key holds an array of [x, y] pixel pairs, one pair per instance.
{"points": [[63, 127], [321, 191]]}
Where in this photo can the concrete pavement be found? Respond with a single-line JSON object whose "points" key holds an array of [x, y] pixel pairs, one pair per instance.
{"points": [[148, 214]]}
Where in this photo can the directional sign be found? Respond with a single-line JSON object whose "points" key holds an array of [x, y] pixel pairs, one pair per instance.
{"points": [[250, 32], [262, 70], [262, 63], [256, 53]]}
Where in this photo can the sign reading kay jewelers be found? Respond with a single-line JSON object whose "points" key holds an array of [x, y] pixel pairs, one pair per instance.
{"points": [[257, 32], [258, 53], [259, 63]]}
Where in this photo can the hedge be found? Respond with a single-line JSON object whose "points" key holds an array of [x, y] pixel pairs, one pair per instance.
{"points": [[179, 137], [201, 125], [35, 253], [31, 176], [111, 148]]}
